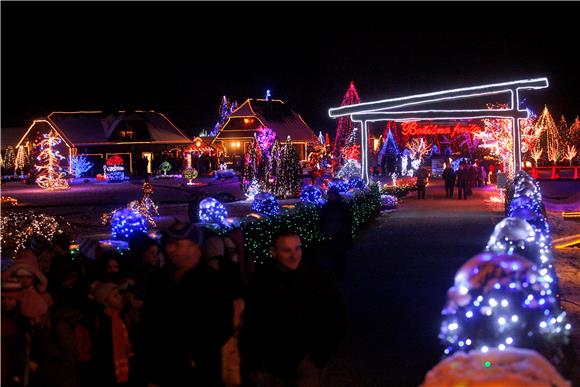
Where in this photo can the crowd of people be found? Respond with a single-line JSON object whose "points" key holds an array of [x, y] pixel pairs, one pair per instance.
{"points": [[468, 176], [188, 310]]}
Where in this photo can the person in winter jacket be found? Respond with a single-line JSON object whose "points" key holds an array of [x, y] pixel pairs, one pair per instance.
{"points": [[449, 178], [187, 315], [462, 181], [293, 321], [422, 180]]}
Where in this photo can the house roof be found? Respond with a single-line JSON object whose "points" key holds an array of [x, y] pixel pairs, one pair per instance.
{"points": [[97, 127], [274, 114]]}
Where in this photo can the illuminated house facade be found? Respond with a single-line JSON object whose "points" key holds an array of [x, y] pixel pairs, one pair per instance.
{"points": [[141, 138], [242, 124]]}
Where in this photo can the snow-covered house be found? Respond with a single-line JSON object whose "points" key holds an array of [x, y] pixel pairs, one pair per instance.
{"points": [[241, 125], [141, 138]]}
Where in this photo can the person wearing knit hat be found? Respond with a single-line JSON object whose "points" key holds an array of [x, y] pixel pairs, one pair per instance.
{"points": [[187, 315], [25, 269]]}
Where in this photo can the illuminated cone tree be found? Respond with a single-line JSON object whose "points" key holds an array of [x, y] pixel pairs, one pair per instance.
{"points": [[20, 161], [50, 174], [345, 125], [289, 180], [574, 132], [550, 137]]}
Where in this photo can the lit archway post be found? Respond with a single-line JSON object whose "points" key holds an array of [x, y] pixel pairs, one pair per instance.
{"points": [[406, 109]]}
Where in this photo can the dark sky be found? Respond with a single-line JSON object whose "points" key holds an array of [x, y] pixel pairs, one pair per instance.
{"points": [[180, 58]]}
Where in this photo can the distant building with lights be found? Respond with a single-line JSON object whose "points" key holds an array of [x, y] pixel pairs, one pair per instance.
{"points": [[134, 135], [242, 124]]}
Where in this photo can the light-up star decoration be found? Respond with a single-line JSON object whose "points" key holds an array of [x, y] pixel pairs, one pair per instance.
{"points": [[407, 109]]}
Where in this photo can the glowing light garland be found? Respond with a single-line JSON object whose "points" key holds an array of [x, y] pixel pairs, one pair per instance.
{"points": [[125, 222], [212, 211], [311, 194], [165, 167], [266, 203], [389, 202], [18, 227], [500, 299], [51, 177]]}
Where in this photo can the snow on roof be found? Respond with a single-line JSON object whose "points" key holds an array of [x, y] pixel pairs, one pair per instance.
{"points": [[97, 127], [273, 114]]}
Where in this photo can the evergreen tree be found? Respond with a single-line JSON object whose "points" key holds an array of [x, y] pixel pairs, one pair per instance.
{"points": [[289, 179], [9, 158], [345, 127], [574, 133], [50, 173], [550, 138], [252, 161], [20, 161], [562, 127]]}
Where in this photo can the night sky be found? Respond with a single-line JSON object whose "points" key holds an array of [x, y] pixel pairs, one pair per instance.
{"points": [[180, 58]]}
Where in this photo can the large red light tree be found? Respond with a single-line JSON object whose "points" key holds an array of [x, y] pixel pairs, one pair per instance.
{"points": [[345, 125]]}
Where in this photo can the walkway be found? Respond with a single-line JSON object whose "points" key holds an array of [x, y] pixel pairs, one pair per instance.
{"points": [[398, 276]]}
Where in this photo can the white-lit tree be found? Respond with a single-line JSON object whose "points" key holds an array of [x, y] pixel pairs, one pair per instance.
{"points": [[20, 161], [550, 136], [570, 153], [50, 174]]}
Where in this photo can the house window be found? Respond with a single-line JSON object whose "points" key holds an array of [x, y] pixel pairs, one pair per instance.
{"points": [[126, 134]]}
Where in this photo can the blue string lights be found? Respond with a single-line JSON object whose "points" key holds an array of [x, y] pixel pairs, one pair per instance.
{"points": [[311, 194], [125, 222], [212, 211], [265, 203], [507, 296]]}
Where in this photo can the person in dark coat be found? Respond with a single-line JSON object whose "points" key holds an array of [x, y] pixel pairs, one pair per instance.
{"points": [[336, 226], [294, 318], [186, 316], [462, 181], [422, 180], [471, 179], [144, 258], [449, 178]]}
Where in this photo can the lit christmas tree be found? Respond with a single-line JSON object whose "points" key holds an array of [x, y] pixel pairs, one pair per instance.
{"points": [[497, 137], [50, 174], [165, 167], [345, 125], [21, 159], [80, 165], [419, 148], [562, 127], [389, 146], [570, 153], [536, 152], [252, 162], [574, 132], [289, 180], [550, 136], [9, 158]]}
